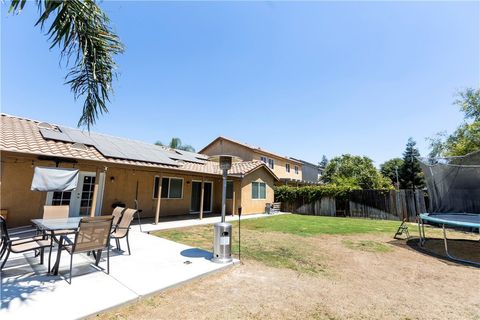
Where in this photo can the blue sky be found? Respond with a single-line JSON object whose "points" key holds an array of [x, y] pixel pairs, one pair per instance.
{"points": [[300, 79]]}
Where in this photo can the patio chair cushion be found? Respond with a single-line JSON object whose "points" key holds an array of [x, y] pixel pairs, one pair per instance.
{"points": [[117, 215], [63, 232], [19, 241], [27, 246], [122, 228]]}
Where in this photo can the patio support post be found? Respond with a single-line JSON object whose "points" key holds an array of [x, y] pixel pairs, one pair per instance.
{"points": [[95, 194], [159, 197], [233, 199], [202, 192]]}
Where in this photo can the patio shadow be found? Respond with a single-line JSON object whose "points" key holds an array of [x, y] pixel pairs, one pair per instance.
{"points": [[197, 253], [22, 288]]}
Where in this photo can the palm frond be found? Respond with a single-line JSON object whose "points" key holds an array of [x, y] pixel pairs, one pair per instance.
{"points": [[82, 31]]}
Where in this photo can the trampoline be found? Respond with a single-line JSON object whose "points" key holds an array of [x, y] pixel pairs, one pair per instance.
{"points": [[453, 185], [463, 220]]}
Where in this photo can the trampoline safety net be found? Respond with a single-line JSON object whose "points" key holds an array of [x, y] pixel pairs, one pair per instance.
{"points": [[453, 183]]}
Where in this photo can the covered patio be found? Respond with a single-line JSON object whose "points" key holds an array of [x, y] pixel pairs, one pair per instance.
{"points": [[155, 264]]}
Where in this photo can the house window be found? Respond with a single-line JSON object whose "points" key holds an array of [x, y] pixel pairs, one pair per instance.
{"points": [[61, 198], [271, 163], [259, 190], [156, 180], [229, 189], [172, 188], [263, 159], [287, 167], [296, 169]]}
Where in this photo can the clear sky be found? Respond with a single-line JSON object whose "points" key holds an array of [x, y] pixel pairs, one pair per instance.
{"points": [[300, 79]]}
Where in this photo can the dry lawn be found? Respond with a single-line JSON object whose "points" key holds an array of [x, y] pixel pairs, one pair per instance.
{"points": [[323, 276]]}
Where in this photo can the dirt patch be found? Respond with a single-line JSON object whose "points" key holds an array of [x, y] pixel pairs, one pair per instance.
{"points": [[398, 283]]}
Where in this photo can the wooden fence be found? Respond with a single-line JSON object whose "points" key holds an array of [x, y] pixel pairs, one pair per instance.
{"points": [[374, 204]]}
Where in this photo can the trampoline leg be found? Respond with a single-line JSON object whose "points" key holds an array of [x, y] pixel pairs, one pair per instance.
{"points": [[424, 238], [419, 233], [445, 242], [448, 254]]}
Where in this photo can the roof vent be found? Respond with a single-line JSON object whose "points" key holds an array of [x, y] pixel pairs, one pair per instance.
{"points": [[79, 146], [46, 125]]}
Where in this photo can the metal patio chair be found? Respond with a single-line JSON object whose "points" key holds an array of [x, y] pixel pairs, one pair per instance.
{"points": [[92, 235], [57, 212], [122, 229], [20, 245], [117, 215]]}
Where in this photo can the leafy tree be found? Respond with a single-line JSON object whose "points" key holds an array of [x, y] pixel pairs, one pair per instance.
{"points": [[466, 138], [410, 173], [81, 30], [322, 164], [469, 103], [391, 169], [176, 143], [354, 171]]}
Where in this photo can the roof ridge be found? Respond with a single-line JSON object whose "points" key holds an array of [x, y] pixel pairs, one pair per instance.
{"points": [[3, 114], [252, 147]]}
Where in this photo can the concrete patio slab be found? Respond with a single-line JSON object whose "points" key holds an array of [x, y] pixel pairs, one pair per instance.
{"points": [[147, 225], [155, 264]]}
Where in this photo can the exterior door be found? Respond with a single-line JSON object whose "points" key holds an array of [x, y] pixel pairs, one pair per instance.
{"points": [[196, 194], [79, 199]]}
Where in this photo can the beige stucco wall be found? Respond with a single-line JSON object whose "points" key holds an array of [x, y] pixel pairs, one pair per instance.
{"points": [[279, 167], [23, 205], [249, 205], [227, 147], [222, 146]]}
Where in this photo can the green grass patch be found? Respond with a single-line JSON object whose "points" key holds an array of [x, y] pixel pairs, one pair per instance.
{"points": [[306, 226], [284, 241], [367, 245]]}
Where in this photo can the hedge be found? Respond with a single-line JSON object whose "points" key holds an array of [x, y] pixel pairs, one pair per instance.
{"points": [[311, 193]]}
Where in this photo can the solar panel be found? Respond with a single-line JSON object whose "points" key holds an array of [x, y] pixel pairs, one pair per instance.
{"points": [[185, 156], [114, 147], [54, 135], [78, 135]]}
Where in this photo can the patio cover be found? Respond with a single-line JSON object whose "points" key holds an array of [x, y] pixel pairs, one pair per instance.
{"points": [[54, 179]]}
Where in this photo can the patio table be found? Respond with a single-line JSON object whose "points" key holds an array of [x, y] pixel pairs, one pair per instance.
{"points": [[52, 225]]}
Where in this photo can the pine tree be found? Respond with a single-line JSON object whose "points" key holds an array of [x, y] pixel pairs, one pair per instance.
{"points": [[322, 164], [411, 175]]}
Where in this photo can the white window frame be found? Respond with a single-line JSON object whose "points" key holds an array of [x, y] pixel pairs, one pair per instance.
{"points": [[296, 169], [264, 159], [287, 167], [259, 182], [169, 182]]}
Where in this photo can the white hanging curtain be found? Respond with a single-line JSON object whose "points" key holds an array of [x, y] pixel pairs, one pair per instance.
{"points": [[54, 179]]}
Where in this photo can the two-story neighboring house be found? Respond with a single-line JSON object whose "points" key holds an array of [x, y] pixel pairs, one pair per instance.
{"points": [[311, 173], [285, 168]]}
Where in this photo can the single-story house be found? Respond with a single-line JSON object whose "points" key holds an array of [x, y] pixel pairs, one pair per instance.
{"points": [[117, 171]]}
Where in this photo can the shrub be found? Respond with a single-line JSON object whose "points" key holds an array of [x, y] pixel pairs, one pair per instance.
{"points": [[312, 193]]}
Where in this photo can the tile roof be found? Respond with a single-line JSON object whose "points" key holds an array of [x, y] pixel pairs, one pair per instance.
{"points": [[23, 136]]}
